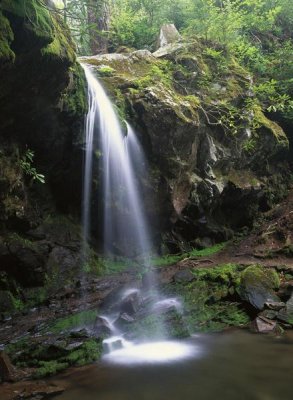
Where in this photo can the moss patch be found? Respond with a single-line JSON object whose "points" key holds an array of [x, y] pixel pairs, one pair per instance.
{"points": [[262, 121], [6, 37], [75, 321], [62, 46], [35, 16], [53, 356], [210, 300]]}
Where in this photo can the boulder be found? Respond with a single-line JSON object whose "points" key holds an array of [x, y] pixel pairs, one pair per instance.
{"points": [[286, 314], [168, 35], [102, 327], [183, 276], [264, 325], [256, 286]]}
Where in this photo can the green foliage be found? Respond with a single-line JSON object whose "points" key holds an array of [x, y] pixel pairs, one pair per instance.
{"points": [[26, 164], [172, 259]]}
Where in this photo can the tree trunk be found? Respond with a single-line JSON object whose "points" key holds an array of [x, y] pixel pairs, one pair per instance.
{"points": [[98, 20]]}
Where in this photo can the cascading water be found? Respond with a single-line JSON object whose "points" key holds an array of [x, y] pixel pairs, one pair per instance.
{"points": [[125, 228], [124, 223]]}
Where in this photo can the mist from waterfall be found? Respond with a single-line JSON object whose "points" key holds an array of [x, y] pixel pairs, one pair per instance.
{"points": [[125, 229]]}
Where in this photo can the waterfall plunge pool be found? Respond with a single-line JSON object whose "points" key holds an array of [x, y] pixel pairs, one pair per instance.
{"points": [[229, 366]]}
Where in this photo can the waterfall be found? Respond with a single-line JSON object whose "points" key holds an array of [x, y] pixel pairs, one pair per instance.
{"points": [[125, 228]]}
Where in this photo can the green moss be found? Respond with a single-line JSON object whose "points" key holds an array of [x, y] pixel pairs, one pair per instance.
{"points": [[207, 301], [105, 70], [49, 359], [47, 368], [172, 259], [74, 321], [90, 351], [262, 121], [6, 37], [62, 46], [94, 265], [226, 274], [256, 274], [15, 238], [74, 100], [36, 17]]}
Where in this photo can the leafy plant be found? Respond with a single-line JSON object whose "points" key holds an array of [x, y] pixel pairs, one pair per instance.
{"points": [[26, 164]]}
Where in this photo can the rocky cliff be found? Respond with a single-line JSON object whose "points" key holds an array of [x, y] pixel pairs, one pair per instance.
{"points": [[216, 159], [42, 103]]}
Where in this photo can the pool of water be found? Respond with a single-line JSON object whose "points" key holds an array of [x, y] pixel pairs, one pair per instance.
{"points": [[231, 366]]}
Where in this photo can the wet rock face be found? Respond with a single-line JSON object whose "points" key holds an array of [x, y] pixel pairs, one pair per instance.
{"points": [[42, 98]]}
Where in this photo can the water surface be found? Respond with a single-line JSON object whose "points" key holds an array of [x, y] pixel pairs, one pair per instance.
{"points": [[230, 366]]}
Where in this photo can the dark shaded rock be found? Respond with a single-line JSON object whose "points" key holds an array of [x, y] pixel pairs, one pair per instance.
{"points": [[81, 334], [183, 276], [7, 372], [121, 297], [286, 314], [256, 286], [6, 302]]}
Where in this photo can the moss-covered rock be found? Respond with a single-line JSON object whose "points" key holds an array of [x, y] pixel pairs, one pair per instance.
{"points": [[257, 286], [210, 300], [36, 19], [54, 355]]}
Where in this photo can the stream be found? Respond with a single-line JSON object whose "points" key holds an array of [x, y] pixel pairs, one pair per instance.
{"points": [[234, 365]]}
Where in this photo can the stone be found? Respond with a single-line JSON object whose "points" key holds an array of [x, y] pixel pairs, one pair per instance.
{"points": [[264, 325], [130, 303], [275, 305], [111, 344], [256, 286], [167, 51], [286, 314], [102, 327], [183, 276], [168, 35]]}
